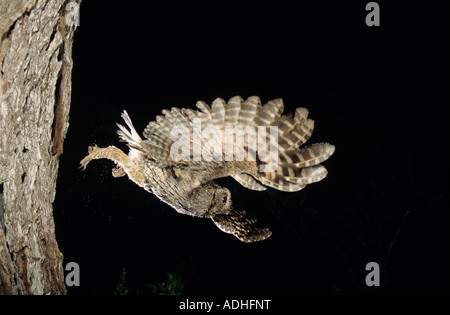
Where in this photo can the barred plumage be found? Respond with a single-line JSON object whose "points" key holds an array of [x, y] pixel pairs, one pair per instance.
{"points": [[186, 182]]}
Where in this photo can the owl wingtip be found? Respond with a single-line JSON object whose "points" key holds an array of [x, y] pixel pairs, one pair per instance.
{"points": [[263, 235]]}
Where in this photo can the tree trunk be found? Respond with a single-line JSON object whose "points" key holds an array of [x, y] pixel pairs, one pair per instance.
{"points": [[35, 89]]}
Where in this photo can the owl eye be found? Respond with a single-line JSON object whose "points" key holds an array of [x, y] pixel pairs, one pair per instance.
{"points": [[224, 199]]}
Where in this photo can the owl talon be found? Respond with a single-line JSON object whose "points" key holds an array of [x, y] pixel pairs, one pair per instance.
{"points": [[84, 163], [92, 148], [118, 172]]}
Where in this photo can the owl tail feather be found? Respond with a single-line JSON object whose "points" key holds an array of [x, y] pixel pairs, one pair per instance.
{"points": [[298, 168], [131, 137]]}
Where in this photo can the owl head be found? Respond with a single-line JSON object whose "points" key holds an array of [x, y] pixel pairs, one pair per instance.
{"points": [[209, 200]]}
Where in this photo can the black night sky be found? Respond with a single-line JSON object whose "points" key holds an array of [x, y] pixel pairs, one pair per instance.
{"points": [[379, 94]]}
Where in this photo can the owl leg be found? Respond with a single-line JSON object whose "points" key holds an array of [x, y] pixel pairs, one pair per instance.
{"points": [[111, 153]]}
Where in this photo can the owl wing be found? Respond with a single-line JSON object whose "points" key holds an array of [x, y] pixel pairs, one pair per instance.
{"points": [[296, 167], [245, 227]]}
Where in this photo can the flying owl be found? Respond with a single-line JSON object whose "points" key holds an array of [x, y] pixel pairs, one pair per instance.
{"points": [[185, 150]]}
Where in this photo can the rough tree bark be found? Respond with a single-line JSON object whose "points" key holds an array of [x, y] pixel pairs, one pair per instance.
{"points": [[35, 90]]}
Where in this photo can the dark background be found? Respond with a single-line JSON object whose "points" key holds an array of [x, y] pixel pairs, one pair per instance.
{"points": [[379, 94]]}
